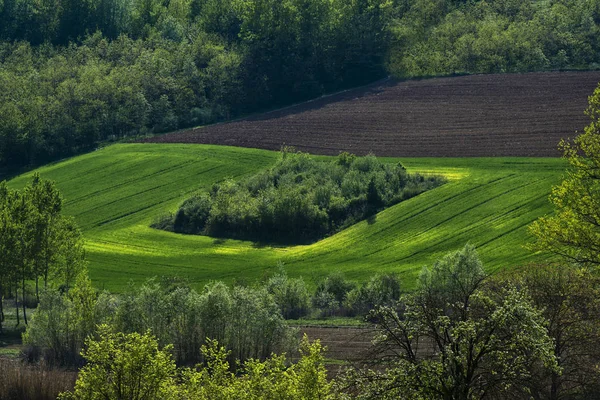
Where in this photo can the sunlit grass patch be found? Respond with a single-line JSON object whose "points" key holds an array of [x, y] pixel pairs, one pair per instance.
{"points": [[115, 193]]}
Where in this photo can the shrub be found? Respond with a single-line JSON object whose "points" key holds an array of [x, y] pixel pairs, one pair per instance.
{"points": [[63, 321], [124, 366], [291, 295], [380, 290], [331, 294], [247, 321]]}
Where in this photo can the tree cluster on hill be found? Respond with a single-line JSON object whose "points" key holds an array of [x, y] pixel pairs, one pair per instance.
{"points": [[298, 200], [76, 73], [36, 241]]}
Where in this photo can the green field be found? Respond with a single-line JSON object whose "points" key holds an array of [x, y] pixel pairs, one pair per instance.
{"points": [[114, 193]]}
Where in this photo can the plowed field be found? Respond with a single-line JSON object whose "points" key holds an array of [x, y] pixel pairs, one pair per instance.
{"points": [[468, 116]]}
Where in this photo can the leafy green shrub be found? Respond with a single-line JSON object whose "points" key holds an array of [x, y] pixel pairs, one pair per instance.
{"points": [[62, 321], [331, 294], [291, 295], [247, 321], [133, 366], [299, 200], [380, 290], [270, 379], [124, 366]]}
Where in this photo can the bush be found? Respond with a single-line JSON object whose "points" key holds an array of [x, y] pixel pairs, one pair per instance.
{"points": [[124, 366], [291, 295], [63, 321], [246, 321], [331, 294], [380, 290]]}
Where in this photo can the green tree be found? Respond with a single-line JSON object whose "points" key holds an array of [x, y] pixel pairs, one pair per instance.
{"points": [[455, 338], [124, 366], [290, 294], [573, 232], [570, 301], [270, 379], [64, 320]]}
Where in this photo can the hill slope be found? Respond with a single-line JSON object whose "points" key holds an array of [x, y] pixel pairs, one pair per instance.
{"points": [[472, 116], [114, 193]]}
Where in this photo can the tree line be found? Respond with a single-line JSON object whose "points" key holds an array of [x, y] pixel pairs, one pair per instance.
{"points": [[77, 73], [159, 65], [37, 242], [461, 334]]}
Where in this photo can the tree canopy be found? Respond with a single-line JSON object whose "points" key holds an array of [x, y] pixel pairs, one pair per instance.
{"points": [[37, 242], [573, 232], [74, 74], [456, 337]]}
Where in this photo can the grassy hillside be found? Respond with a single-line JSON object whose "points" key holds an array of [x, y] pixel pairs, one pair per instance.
{"points": [[115, 192]]}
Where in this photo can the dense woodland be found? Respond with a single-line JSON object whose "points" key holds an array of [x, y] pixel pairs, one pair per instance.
{"points": [[78, 73], [298, 200]]}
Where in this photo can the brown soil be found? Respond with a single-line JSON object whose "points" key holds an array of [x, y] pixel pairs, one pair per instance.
{"points": [[343, 343], [478, 115]]}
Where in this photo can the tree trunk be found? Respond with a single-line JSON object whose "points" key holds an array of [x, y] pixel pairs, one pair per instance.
{"points": [[1, 307], [46, 261], [17, 303], [37, 288], [23, 298]]}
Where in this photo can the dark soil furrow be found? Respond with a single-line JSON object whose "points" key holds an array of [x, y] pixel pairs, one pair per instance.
{"points": [[467, 116]]}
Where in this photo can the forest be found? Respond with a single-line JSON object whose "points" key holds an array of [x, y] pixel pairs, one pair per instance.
{"points": [[77, 74]]}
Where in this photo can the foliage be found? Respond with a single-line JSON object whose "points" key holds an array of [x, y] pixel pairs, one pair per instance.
{"points": [[455, 37], [269, 379], [246, 321], [76, 73], [331, 294], [300, 199], [124, 366], [36, 241], [456, 339], [569, 299], [63, 321], [573, 232], [290, 294], [380, 290], [56, 102], [132, 366]]}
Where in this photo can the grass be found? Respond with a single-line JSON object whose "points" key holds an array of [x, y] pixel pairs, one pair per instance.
{"points": [[114, 193]]}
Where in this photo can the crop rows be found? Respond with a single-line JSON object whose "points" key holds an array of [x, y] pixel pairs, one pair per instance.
{"points": [[474, 116], [115, 193]]}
